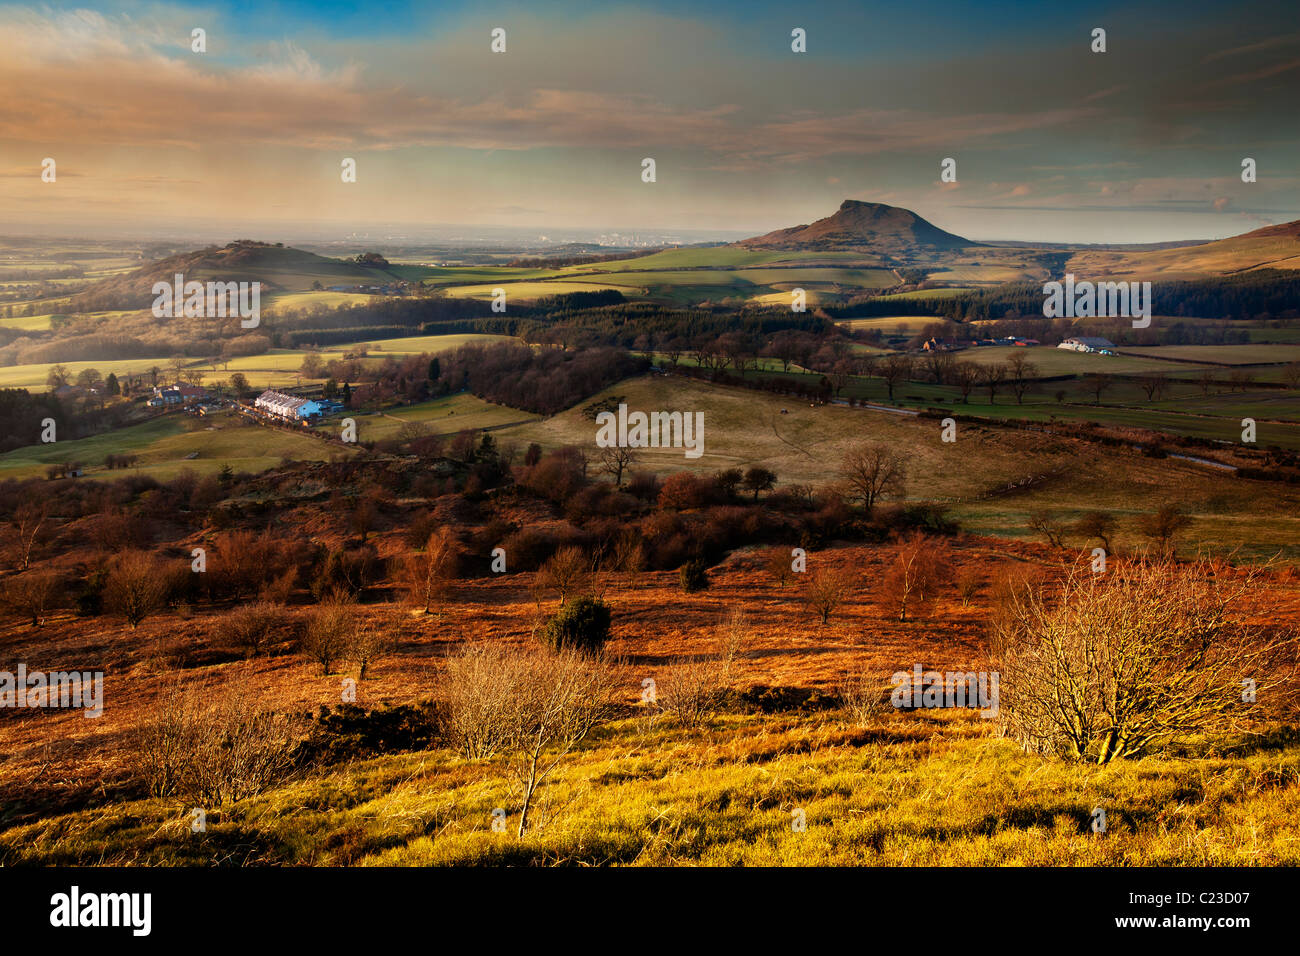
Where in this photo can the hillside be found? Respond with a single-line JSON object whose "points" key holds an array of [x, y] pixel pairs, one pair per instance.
{"points": [[1272, 247], [278, 268], [863, 226]]}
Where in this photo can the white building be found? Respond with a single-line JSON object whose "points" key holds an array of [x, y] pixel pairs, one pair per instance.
{"points": [[286, 406], [1087, 343]]}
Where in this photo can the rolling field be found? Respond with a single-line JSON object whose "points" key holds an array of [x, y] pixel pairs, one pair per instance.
{"points": [[163, 443], [276, 367], [526, 291], [330, 300], [744, 428], [442, 416]]}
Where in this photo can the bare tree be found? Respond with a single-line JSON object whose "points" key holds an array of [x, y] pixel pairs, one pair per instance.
{"points": [[568, 572], [1020, 375], [615, 461], [330, 632], [137, 585], [428, 574], [895, 369], [1153, 384], [28, 522], [965, 376], [1097, 382], [530, 706], [827, 589], [871, 471], [1096, 525], [919, 566], [992, 376], [1050, 525], [1103, 667], [33, 595], [1162, 526]]}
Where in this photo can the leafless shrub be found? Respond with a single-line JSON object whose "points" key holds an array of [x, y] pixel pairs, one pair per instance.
{"points": [[137, 585], [691, 690], [33, 594], [1100, 667], [733, 637], [968, 585], [778, 563], [862, 697], [251, 627], [330, 631], [527, 705], [213, 748]]}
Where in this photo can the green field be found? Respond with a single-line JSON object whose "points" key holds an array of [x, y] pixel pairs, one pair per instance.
{"points": [[1219, 354], [276, 367], [443, 416], [162, 444]]}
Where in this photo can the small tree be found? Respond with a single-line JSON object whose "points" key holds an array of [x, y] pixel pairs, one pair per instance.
{"points": [[33, 595], [1049, 525], [1162, 526], [1096, 525], [920, 565], [872, 471], [827, 589], [428, 574], [330, 631], [137, 586], [778, 563], [28, 523], [616, 461], [531, 706], [759, 479], [567, 572]]}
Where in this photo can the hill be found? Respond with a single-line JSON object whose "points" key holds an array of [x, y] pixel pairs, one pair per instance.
{"points": [[1272, 247], [866, 227], [277, 267]]}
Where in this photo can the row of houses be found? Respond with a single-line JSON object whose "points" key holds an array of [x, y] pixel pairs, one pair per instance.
{"points": [[166, 395], [295, 407]]}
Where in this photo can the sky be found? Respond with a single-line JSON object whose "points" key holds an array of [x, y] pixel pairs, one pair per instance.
{"points": [[1052, 141]]}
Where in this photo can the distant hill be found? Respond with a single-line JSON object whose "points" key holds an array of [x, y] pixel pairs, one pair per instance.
{"points": [[1272, 247], [279, 269], [863, 227]]}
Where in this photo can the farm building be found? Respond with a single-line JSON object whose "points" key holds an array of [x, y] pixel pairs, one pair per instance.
{"points": [[281, 405], [177, 395], [1087, 343]]}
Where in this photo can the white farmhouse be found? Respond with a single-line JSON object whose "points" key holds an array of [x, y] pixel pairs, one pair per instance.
{"points": [[1086, 343]]}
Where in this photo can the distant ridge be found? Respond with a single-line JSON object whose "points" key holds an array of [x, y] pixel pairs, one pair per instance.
{"points": [[862, 226]]}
